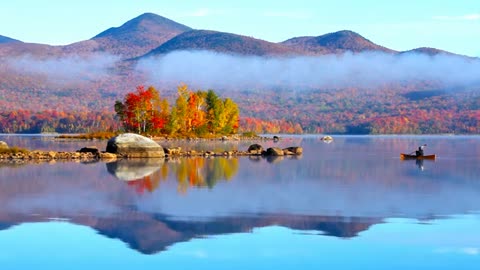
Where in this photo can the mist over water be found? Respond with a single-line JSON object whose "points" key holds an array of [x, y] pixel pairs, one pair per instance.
{"points": [[67, 69], [205, 69]]}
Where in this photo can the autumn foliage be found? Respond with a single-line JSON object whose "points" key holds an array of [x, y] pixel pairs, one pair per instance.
{"points": [[194, 113]]}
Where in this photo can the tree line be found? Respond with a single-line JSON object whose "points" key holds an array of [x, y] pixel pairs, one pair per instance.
{"points": [[195, 113]]}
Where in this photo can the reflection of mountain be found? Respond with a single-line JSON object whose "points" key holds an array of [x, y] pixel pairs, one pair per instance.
{"points": [[150, 234], [156, 233]]}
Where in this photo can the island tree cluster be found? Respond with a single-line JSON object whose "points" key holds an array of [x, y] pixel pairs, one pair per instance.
{"points": [[195, 113]]}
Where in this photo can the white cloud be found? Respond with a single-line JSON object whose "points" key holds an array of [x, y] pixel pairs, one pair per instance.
{"points": [[467, 17]]}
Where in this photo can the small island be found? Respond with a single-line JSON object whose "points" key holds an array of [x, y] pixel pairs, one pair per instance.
{"points": [[130, 145]]}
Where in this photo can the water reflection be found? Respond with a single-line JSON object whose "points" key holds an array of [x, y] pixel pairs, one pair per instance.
{"points": [[339, 189], [421, 164], [134, 169], [146, 174]]}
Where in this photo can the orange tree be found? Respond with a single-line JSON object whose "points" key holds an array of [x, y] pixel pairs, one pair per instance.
{"points": [[142, 111]]}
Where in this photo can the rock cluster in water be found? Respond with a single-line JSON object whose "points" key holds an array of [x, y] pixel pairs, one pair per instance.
{"points": [[137, 146]]}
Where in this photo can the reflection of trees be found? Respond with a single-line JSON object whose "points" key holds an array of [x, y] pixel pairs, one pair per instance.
{"points": [[202, 172], [189, 172], [150, 182]]}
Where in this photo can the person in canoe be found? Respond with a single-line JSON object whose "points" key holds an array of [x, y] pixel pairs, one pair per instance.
{"points": [[419, 152]]}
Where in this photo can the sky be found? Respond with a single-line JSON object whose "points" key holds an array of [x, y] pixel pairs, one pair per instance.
{"points": [[451, 25]]}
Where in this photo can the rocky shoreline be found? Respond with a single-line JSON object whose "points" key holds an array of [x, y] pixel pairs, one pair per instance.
{"points": [[95, 154], [136, 146]]}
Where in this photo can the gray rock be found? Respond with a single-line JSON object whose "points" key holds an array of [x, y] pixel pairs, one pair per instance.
{"points": [[132, 145], [3, 145], [255, 149], [294, 150], [90, 149], [274, 151]]}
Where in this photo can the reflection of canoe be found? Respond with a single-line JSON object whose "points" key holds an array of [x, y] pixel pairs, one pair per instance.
{"points": [[407, 156]]}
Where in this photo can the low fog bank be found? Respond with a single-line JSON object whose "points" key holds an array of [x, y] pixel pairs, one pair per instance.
{"points": [[369, 70], [67, 69]]}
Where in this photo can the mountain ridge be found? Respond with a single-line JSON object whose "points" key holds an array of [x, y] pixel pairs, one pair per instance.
{"points": [[133, 38], [222, 42], [335, 42], [148, 32]]}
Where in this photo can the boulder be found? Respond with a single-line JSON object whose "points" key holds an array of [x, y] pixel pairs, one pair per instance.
{"points": [[255, 149], [294, 150], [3, 145], [132, 145], [91, 149], [327, 138], [274, 151]]}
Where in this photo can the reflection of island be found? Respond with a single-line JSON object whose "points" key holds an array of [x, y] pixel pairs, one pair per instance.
{"points": [[146, 174]]}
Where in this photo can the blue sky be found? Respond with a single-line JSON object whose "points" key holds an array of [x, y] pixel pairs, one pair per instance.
{"points": [[452, 25]]}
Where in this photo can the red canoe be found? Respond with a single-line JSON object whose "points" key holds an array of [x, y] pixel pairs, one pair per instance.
{"points": [[407, 156]]}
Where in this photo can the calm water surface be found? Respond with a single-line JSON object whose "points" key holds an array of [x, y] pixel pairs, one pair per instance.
{"points": [[348, 204]]}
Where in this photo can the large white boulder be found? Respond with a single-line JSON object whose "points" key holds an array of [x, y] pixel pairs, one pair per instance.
{"points": [[132, 145]]}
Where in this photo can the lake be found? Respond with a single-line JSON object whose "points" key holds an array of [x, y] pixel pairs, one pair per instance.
{"points": [[348, 204]]}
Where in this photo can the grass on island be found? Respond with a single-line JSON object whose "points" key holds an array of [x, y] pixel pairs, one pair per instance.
{"points": [[249, 134], [99, 135]]}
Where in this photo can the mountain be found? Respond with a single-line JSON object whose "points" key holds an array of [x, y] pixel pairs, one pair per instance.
{"points": [[334, 43], [20, 49], [428, 51], [223, 43], [4, 39], [135, 37]]}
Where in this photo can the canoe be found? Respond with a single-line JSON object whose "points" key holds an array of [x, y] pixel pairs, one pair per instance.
{"points": [[407, 156]]}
